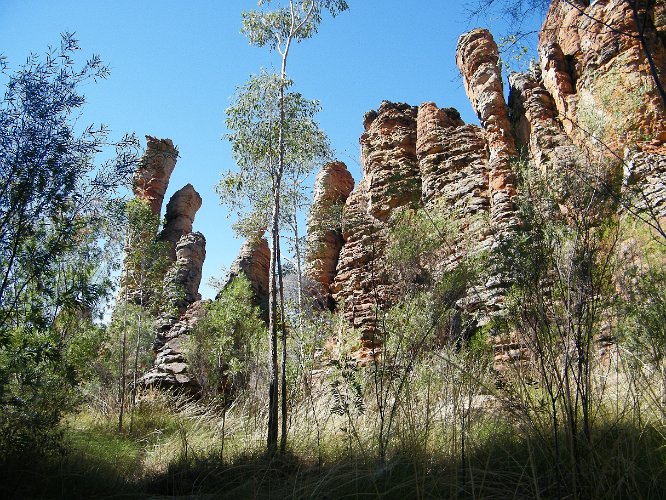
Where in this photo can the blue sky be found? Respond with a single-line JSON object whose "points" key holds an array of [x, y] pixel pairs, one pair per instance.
{"points": [[175, 65]]}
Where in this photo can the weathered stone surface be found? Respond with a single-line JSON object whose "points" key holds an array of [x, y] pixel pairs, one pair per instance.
{"points": [[184, 277], [332, 187], [388, 151], [595, 68], [538, 128], [453, 160], [478, 60], [645, 185], [151, 179], [361, 283], [180, 212], [254, 260], [449, 164], [170, 369]]}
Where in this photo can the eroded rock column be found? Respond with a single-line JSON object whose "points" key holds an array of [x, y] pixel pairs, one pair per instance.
{"points": [[332, 187], [537, 127], [478, 59], [388, 155], [253, 260], [151, 179], [184, 277], [180, 213]]}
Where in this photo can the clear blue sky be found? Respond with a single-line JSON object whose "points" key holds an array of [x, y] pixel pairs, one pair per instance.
{"points": [[175, 65]]}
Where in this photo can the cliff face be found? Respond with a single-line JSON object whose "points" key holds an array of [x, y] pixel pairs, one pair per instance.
{"points": [[596, 69], [412, 157], [595, 91], [428, 157], [594, 84], [332, 187]]}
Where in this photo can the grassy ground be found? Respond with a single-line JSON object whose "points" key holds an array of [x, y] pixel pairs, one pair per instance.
{"points": [[437, 449]]}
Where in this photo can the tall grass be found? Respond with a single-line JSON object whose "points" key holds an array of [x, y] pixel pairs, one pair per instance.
{"points": [[455, 434]]}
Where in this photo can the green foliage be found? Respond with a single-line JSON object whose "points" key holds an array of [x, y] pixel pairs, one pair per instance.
{"points": [[515, 55], [130, 320], [59, 243], [225, 346], [298, 20], [147, 261], [644, 322], [440, 231], [254, 121]]}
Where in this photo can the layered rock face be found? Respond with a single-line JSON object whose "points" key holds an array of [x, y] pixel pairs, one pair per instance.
{"points": [[332, 187], [412, 158], [593, 83], [388, 154], [597, 71], [428, 157], [179, 218], [593, 100], [478, 60], [361, 283], [170, 368], [185, 274], [151, 179], [254, 260]]}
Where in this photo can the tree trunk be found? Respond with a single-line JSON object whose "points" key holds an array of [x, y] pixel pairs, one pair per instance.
{"points": [[123, 362], [297, 249], [283, 367], [272, 327], [136, 348]]}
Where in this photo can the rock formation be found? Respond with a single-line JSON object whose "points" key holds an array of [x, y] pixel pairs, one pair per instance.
{"points": [[478, 60], [183, 306], [183, 311], [594, 91], [170, 369], [590, 75], [179, 218], [253, 260], [185, 275], [388, 154], [446, 166], [151, 178], [332, 187], [596, 69], [594, 87]]}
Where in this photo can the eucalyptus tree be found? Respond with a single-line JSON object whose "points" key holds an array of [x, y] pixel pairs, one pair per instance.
{"points": [[278, 28], [273, 133]]}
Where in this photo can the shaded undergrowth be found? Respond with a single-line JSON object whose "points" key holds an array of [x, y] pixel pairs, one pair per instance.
{"points": [[172, 454]]}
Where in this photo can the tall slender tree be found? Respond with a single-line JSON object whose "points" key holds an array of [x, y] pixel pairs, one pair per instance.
{"points": [[291, 21], [254, 120]]}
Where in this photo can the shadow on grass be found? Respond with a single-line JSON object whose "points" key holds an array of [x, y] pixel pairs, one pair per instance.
{"points": [[619, 463]]}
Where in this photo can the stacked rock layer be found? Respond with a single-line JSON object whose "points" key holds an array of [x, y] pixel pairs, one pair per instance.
{"points": [[592, 73]]}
